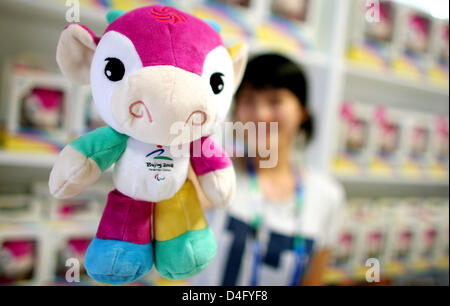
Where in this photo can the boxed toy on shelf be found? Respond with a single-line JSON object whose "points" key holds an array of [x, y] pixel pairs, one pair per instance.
{"points": [[353, 142], [442, 252], [381, 142], [343, 261], [426, 231], [373, 231], [406, 236], [412, 56], [17, 260], [386, 141], [416, 146], [69, 249], [373, 34], [438, 71], [400, 237], [38, 108], [21, 246], [438, 167], [66, 247], [39, 234]]}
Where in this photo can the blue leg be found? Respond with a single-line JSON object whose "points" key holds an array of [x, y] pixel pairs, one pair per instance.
{"points": [[118, 262]]}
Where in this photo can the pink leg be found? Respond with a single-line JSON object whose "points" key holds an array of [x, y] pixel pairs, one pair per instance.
{"points": [[126, 219]]}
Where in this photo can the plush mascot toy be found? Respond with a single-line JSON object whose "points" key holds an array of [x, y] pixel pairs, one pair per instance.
{"points": [[155, 71]]}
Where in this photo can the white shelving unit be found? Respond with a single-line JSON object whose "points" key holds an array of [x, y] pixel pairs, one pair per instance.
{"points": [[31, 25], [26, 160], [37, 25]]}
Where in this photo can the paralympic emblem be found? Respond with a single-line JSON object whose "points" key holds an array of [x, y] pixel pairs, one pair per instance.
{"points": [[159, 178]]}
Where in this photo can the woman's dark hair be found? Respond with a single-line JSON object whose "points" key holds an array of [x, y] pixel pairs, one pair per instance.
{"points": [[275, 71]]}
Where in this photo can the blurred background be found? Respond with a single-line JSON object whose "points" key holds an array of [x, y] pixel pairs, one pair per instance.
{"points": [[379, 90]]}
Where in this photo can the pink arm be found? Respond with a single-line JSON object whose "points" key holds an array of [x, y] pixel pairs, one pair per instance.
{"points": [[206, 156]]}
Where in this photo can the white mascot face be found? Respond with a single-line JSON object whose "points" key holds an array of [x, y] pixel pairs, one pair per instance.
{"points": [[166, 96], [151, 103]]}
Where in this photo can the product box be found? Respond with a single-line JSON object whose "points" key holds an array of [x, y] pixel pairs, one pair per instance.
{"points": [[345, 252], [416, 145], [18, 260], [71, 250], [438, 71], [414, 49], [385, 143], [38, 112], [373, 33], [355, 130], [438, 167], [442, 250], [400, 236], [425, 244], [372, 244]]}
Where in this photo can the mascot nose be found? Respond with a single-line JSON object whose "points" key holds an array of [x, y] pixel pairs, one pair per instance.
{"points": [[153, 103], [176, 94]]}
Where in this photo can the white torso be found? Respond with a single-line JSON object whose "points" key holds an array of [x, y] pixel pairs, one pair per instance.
{"points": [[149, 177]]}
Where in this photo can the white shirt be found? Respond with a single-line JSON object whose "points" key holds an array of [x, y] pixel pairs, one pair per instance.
{"points": [[318, 224]]}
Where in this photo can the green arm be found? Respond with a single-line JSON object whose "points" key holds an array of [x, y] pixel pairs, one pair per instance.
{"points": [[104, 146]]}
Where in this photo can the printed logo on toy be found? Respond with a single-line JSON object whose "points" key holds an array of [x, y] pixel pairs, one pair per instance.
{"points": [[159, 178], [157, 165], [160, 152], [168, 14]]}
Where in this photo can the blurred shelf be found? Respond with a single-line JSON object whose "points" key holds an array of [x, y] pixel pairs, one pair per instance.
{"points": [[315, 59], [388, 77], [53, 10], [34, 161], [390, 181], [343, 277], [26, 159], [308, 58], [393, 187]]}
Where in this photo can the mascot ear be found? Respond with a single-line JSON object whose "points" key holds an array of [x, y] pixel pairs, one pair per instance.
{"points": [[76, 48], [239, 54]]}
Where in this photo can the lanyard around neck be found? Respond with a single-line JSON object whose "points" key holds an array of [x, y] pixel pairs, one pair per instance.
{"points": [[257, 220]]}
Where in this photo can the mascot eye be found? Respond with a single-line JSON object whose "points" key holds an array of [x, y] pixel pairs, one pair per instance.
{"points": [[114, 70], [217, 83]]}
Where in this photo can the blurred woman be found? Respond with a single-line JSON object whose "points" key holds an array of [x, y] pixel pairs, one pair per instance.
{"points": [[283, 221]]}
